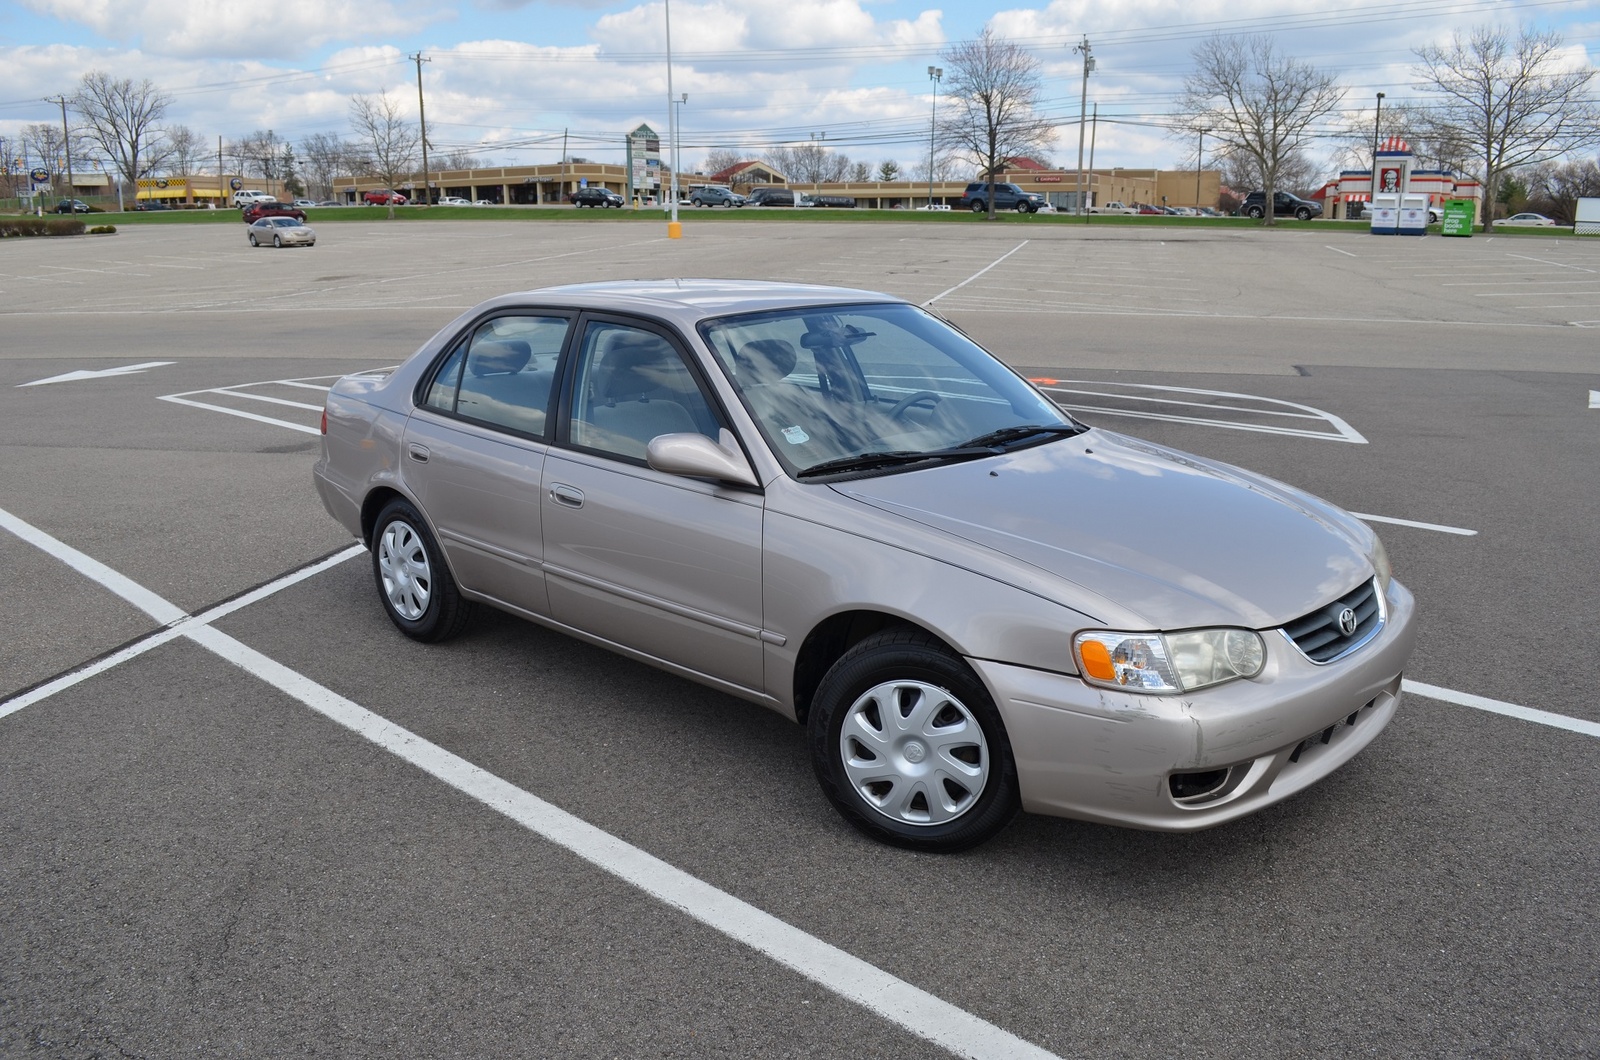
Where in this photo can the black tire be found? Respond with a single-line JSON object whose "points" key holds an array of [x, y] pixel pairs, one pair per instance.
{"points": [[1302, 214], [1021, 207], [912, 656], [1255, 212], [444, 613], [978, 206], [253, 242]]}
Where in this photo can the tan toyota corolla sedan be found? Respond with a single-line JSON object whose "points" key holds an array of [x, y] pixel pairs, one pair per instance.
{"points": [[833, 503]]}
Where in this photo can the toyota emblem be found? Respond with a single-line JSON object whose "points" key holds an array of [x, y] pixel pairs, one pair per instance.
{"points": [[1347, 622]]}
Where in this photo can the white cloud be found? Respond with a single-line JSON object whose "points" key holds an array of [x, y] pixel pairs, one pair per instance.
{"points": [[284, 29]]}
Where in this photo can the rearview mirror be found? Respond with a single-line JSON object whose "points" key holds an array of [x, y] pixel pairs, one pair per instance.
{"points": [[697, 456]]}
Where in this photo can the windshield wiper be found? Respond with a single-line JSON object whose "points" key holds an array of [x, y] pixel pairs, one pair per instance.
{"points": [[1018, 432], [892, 458]]}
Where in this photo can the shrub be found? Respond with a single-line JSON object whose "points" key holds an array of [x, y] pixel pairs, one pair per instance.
{"points": [[103, 230], [40, 226]]}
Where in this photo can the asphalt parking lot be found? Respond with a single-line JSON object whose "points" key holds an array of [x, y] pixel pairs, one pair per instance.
{"points": [[246, 818]]}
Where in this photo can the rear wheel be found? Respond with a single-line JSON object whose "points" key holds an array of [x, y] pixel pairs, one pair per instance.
{"points": [[253, 242], [908, 745], [418, 593], [1302, 214], [978, 206]]}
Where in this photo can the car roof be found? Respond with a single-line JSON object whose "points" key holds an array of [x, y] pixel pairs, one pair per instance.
{"points": [[693, 299]]}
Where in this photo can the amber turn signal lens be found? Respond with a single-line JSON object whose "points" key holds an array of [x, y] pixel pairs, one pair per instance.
{"points": [[1096, 658]]}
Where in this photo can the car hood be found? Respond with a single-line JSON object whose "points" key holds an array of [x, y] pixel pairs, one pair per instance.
{"points": [[1160, 539]]}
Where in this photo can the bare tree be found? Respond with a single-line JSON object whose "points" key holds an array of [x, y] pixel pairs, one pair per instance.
{"points": [[947, 165], [1296, 173], [259, 154], [991, 114], [457, 158], [386, 138], [1257, 103], [1433, 147], [720, 158], [1555, 188], [326, 156], [809, 163], [44, 142], [186, 151], [1510, 99], [122, 120]]}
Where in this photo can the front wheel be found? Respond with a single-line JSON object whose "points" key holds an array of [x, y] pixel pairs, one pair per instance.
{"points": [[418, 593], [1021, 207], [908, 746], [1302, 214]]}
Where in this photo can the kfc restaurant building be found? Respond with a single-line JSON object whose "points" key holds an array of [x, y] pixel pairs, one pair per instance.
{"points": [[1343, 198]]}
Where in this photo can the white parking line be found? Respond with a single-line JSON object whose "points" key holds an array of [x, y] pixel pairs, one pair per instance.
{"points": [[975, 275], [179, 400], [1496, 706], [894, 999]]}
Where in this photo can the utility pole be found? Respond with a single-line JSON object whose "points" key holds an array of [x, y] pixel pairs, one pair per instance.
{"points": [[66, 142], [1199, 160], [422, 120], [1083, 110]]}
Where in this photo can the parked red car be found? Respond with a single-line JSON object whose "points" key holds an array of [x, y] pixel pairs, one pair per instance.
{"points": [[257, 210], [384, 197]]}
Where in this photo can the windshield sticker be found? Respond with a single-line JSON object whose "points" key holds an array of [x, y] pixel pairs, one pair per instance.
{"points": [[795, 436]]}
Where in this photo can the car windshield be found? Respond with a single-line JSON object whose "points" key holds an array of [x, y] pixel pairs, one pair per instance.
{"points": [[856, 389], [285, 222]]}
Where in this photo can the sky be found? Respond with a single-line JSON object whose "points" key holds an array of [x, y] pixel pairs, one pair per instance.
{"points": [[512, 80]]}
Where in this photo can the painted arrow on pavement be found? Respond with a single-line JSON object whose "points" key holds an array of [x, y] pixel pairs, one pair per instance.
{"points": [[104, 373]]}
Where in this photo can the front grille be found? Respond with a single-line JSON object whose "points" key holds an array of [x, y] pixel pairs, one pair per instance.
{"points": [[1319, 636]]}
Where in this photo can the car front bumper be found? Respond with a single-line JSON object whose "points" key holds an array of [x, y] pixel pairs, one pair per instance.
{"points": [[1102, 755]]}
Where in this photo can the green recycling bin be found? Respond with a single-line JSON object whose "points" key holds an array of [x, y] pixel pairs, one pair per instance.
{"points": [[1458, 217]]}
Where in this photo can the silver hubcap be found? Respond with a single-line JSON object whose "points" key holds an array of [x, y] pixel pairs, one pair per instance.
{"points": [[914, 752], [403, 565]]}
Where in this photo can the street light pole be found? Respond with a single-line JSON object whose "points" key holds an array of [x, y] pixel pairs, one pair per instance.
{"points": [[422, 119], [1199, 161], [674, 229], [1083, 110], [66, 142], [1377, 115], [935, 73]]}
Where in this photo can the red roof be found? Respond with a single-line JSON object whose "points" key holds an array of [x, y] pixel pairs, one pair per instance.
{"points": [[1026, 163], [725, 176]]}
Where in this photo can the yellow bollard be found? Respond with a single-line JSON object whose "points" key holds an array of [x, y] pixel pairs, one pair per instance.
{"points": [[674, 230]]}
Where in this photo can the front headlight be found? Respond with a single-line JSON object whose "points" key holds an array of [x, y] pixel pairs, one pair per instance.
{"points": [[1380, 563], [1165, 663]]}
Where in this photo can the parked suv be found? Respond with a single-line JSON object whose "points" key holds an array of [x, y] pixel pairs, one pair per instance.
{"points": [[72, 206], [383, 197], [779, 197], [1006, 197], [597, 197], [245, 198], [715, 197], [1283, 205], [271, 208]]}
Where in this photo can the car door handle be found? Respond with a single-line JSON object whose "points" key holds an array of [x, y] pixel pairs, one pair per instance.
{"points": [[419, 453], [571, 496]]}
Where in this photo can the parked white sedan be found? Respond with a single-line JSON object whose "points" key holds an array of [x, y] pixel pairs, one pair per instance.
{"points": [[1527, 220], [282, 232], [454, 200]]}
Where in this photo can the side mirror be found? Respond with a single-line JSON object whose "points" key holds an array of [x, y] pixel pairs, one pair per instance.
{"points": [[697, 456]]}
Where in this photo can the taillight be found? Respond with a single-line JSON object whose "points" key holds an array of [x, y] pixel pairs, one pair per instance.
{"points": [[324, 421]]}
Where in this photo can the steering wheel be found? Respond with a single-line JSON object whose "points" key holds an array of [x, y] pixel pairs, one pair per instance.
{"points": [[914, 399]]}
